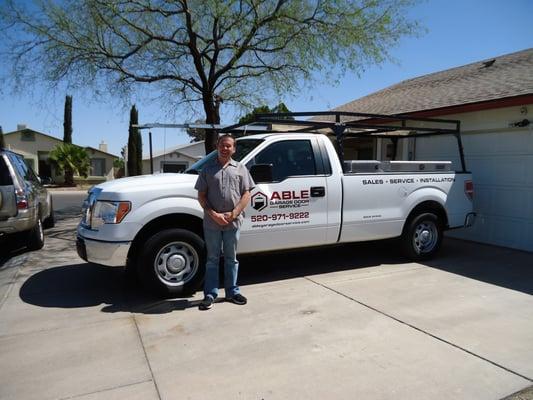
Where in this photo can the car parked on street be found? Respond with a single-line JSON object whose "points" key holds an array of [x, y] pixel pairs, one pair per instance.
{"points": [[25, 205]]}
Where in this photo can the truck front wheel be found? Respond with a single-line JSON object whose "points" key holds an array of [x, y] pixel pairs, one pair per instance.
{"points": [[422, 236], [172, 262]]}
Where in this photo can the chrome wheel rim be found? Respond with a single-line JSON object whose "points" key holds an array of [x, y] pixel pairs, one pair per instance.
{"points": [[425, 237], [176, 263]]}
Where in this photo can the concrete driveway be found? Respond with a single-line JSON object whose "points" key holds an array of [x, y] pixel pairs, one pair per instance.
{"points": [[350, 322]]}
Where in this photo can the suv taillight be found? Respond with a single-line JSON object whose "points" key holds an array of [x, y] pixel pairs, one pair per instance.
{"points": [[22, 200], [469, 189]]}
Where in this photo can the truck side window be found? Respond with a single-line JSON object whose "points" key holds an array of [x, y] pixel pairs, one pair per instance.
{"points": [[289, 158]]}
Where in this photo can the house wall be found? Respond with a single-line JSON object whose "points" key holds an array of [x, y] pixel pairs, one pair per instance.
{"points": [[108, 173], [500, 158], [30, 149]]}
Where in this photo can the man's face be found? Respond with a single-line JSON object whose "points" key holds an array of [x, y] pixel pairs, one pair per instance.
{"points": [[226, 148]]}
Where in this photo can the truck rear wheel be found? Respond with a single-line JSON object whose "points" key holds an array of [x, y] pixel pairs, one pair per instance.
{"points": [[172, 262], [422, 236]]}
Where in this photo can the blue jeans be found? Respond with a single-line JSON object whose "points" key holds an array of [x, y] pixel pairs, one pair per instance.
{"points": [[215, 241]]}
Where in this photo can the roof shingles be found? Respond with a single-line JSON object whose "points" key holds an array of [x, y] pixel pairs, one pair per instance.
{"points": [[508, 76]]}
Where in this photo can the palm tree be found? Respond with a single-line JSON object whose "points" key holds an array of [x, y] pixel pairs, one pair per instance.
{"points": [[70, 156]]}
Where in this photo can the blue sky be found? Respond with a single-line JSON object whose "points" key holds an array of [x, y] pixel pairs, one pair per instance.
{"points": [[458, 33]]}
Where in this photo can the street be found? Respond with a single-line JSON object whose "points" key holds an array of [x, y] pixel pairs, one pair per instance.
{"points": [[354, 321], [68, 201]]}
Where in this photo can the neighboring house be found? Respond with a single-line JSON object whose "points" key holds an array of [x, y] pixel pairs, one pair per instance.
{"points": [[36, 146], [493, 99], [174, 159]]}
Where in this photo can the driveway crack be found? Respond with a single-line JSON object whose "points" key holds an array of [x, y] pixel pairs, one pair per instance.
{"points": [[420, 330], [146, 356]]}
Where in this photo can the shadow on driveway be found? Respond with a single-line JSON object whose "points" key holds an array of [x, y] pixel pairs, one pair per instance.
{"points": [[86, 285], [507, 268]]}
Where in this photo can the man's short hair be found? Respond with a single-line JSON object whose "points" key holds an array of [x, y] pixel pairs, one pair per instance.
{"points": [[227, 135]]}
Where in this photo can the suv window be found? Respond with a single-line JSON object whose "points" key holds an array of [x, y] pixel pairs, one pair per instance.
{"points": [[5, 176], [288, 158], [22, 168]]}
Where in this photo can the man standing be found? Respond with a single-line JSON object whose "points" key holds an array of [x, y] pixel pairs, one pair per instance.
{"points": [[223, 192]]}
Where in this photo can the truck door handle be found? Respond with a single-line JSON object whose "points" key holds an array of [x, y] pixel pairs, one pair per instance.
{"points": [[318, 191]]}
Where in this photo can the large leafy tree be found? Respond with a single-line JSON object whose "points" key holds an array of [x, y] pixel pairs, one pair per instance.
{"points": [[67, 137], [280, 108], [204, 52], [67, 155], [199, 134]]}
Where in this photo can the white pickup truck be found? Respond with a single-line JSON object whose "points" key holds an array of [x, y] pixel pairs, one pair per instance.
{"points": [[304, 196]]}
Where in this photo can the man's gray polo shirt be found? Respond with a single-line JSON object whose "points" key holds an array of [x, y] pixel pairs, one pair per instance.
{"points": [[224, 188]]}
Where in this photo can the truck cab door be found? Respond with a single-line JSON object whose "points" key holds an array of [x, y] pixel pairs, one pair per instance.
{"points": [[291, 210], [8, 203]]}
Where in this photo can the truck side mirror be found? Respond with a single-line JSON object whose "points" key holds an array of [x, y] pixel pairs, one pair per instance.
{"points": [[261, 173]]}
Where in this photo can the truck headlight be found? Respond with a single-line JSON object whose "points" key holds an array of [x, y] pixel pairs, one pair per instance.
{"points": [[109, 212]]}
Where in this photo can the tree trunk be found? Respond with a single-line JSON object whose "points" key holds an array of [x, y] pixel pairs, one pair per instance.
{"points": [[69, 177], [212, 116]]}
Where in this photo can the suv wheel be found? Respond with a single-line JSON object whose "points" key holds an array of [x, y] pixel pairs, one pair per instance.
{"points": [[36, 235], [50, 221]]}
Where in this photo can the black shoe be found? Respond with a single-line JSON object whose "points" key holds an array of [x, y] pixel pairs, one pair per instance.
{"points": [[238, 299], [206, 303]]}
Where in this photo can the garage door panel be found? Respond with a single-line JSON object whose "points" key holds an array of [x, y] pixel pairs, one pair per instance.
{"points": [[507, 202], [498, 143], [499, 170], [483, 199], [502, 167], [507, 232], [529, 237]]}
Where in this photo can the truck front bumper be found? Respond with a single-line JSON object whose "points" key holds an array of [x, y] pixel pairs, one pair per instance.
{"points": [[113, 254]]}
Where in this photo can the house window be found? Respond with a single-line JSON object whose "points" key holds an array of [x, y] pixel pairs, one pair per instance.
{"points": [[98, 166]]}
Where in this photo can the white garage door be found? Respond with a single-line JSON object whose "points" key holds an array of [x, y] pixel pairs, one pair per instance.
{"points": [[502, 167]]}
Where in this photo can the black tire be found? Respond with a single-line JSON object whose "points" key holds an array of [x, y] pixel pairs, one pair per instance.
{"points": [[172, 263], [422, 236], [36, 235], [50, 222]]}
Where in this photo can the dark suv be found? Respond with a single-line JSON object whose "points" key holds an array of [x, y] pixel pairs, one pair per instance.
{"points": [[25, 205]]}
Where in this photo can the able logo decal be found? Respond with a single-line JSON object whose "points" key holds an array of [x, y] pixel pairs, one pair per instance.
{"points": [[259, 201]]}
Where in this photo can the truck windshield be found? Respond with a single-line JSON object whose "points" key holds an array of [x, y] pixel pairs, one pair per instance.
{"points": [[244, 146]]}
